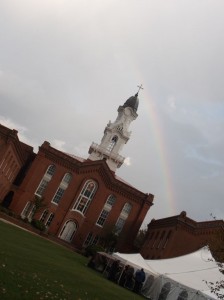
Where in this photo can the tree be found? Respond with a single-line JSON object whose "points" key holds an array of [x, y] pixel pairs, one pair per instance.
{"points": [[38, 204], [110, 238], [216, 247], [140, 238]]}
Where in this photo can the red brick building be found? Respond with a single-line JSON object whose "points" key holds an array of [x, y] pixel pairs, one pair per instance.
{"points": [[177, 235], [15, 157], [83, 200]]}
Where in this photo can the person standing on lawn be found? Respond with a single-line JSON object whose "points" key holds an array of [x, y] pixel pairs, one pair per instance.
{"points": [[139, 279]]}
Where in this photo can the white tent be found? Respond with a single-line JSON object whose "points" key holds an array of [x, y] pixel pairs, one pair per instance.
{"points": [[181, 278], [135, 260], [190, 270]]}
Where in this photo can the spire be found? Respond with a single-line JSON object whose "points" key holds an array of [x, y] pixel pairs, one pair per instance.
{"points": [[133, 101], [116, 135]]}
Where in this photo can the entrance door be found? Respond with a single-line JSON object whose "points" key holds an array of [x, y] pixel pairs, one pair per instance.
{"points": [[68, 231], [8, 199]]}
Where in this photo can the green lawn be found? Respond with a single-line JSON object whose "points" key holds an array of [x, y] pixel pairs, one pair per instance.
{"points": [[34, 268]]}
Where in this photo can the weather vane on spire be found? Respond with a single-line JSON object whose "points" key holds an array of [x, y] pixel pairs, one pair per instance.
{"points": [[140, 87]]}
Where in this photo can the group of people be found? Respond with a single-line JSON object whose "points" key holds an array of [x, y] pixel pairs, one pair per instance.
{"points": [[123, 275], [126, 276]]}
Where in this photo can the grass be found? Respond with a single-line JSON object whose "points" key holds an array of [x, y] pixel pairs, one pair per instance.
{"points": [[34, 268]]}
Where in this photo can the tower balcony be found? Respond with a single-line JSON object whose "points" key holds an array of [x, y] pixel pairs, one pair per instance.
{"points": [[102, 152]]}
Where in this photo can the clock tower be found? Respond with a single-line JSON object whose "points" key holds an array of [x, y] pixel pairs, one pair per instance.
{"points": [[116, 134]]}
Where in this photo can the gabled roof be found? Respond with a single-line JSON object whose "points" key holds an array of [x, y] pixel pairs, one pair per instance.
{"points": [[108, 177], [76, 157], [23, 150]]}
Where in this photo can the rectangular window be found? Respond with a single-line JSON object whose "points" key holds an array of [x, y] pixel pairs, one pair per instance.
{"points": [[31, 213], [2, 163], [42, 187], [88, 239], [160, 241], [11, 176], [111, 200], [154, 243], [9, 168], [95, 240], [82, 204], [4, 167], [49, 220], [119, 225], [58, 195], [166, 241], [87, 193], [102, 218], [26, 209], [43, 216]]}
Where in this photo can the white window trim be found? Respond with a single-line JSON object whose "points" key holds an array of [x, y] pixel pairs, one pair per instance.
{"points": [[88, 199], [57, 203], [48, 219], [101, 225], [25, 209]]}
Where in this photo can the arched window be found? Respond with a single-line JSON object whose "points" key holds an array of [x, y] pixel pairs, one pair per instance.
{"points": [[67, 178], [51, 170], [106, 210], [45, 180], [127, 208], [112, 143], [62, 187], [86, 196], [123, 217], [111, 200]]}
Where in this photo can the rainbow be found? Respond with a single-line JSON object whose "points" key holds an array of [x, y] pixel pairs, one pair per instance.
{"points": [[163, 160]]}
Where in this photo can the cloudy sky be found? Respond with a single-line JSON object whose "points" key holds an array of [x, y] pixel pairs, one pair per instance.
{"points": [[66, 66]]}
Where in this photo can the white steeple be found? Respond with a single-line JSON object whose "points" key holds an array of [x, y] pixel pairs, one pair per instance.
{"points": [[116, 134]]}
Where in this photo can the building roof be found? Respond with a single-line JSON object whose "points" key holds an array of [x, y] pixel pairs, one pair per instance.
{"points": [[183, 220], [23, 150], [81, 159], [69, 160]]}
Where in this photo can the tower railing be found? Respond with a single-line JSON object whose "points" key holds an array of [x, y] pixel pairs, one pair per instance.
{"points": [[107, 153]]}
